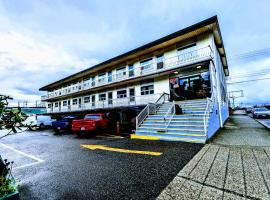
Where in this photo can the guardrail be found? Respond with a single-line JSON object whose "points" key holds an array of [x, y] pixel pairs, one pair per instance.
{"points": [[152, 68], [150, 108], [109, 103], [209, 108], [169, 115]]}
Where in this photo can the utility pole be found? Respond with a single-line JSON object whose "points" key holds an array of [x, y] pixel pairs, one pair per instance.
{"points": [[234, 95]]}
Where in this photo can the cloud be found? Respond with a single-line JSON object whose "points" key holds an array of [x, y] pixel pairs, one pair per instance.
{"points": [[43, 41], [31, 58]]}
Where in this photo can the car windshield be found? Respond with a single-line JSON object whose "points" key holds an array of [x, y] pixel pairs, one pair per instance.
{"points": [[261, 109], [92, 117], [69, 118]]}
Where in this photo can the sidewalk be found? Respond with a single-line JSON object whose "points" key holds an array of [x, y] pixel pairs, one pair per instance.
{"points": [[232, 166]]}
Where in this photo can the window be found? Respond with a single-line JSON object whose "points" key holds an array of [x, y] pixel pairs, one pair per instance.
{"points": [[110, 76], [64, 103], [93, 81], [130, 70], [146, 64], [110, 96], [74, 101], [121, 94], [49, 105], [132, 94], [160, 60], [102, 97], [56, 104], [121, 72], [187, 52], [86, 82], [93, 100], [86, 99], [101, 78], [147, 89]]}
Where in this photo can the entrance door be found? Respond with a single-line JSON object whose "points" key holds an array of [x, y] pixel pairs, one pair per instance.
{"points": [[132, 96], [60, 105], [191, 87], [93, 100], [110, 99], [68, 104], [80, 102]]}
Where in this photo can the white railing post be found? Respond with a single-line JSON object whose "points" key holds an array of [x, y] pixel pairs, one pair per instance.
{"points": [[209, 108], [169, 115]]}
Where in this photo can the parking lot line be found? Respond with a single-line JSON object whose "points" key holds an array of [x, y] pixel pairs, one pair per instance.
{"points": [[22, 153], [103, 147]]}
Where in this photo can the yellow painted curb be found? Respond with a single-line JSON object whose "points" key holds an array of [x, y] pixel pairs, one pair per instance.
{"points": [[143, 137]]}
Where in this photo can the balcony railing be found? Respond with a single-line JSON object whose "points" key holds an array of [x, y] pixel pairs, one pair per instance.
{"points": [[155, 67], [108, 103]]}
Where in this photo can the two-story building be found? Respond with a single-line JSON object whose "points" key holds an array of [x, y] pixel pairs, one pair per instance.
{"points": [[185, 69]]}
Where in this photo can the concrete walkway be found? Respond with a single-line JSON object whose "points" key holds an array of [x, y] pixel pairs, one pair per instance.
{"points": [[232, 166]]}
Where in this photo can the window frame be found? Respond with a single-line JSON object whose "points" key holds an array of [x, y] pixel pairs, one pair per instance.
{"points": [[121, 96], [99, 97], [86, 97], [75, 101], [148, 91]]}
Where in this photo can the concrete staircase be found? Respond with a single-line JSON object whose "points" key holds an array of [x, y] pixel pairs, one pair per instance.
{"points": [[187, 127]]}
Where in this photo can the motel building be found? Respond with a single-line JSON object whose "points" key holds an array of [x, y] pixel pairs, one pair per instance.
{"points": [[170, 89]]}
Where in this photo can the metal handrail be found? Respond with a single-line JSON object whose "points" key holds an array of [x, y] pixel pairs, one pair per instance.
{"points": [[208, 109], [141, 116], [150, 108], [169, 115]]}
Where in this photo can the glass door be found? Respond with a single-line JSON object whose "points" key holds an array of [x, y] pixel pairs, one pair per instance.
{"points": [[110, 99], [93, 100], [132, 95], [191, 87]]}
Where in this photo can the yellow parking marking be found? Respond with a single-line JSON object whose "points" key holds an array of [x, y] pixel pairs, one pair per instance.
{"points": [[103, 147]]}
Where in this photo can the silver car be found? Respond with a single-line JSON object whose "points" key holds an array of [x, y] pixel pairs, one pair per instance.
{"points": [[261, 113]]}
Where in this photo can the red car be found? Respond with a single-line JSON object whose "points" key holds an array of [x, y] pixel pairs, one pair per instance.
{"points": [[90, 123]]}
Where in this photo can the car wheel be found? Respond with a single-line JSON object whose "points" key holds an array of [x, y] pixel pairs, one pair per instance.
{"points": [[42, 126], [79, 134], [56, 131]]}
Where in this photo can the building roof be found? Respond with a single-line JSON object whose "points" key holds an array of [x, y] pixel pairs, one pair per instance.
{"points": [[205, 25]]}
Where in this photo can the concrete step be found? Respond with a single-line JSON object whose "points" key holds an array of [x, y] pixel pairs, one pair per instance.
{"points": [[192, 101], [194, 108], [173, 122], [174, 130], [168, 138], [163, 125], [193, 112], [198, 116]]}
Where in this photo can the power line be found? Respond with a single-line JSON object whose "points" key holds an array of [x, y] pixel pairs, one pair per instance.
{"points": [[248, 80], [255, 71], [250, 54], [263, 72]]}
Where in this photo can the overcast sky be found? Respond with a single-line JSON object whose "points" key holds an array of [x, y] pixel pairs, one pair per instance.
{"points": [[43, 41]]}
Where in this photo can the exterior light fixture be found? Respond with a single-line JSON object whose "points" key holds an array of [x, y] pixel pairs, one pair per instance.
{"points": [[176, 72], [199, 67]]}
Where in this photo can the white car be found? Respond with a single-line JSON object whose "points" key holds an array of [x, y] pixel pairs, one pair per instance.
{"points": [[261, 113], [40, 121]]}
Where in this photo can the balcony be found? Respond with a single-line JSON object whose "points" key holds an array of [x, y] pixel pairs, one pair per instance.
{"points": [[109, 103], [180, 60]]}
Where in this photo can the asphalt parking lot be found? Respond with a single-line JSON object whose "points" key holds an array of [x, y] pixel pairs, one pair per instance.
{"points": [[58, 167]]}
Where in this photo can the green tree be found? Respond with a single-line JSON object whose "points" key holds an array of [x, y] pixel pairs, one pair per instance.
{"points": [[11, 119]]}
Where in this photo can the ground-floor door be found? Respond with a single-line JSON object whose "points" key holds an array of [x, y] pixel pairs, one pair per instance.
{"points": [[190, 87]]}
